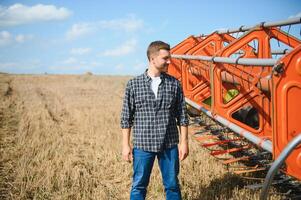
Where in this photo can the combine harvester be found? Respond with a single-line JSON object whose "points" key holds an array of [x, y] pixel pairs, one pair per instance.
{"points": [[240, 83]]}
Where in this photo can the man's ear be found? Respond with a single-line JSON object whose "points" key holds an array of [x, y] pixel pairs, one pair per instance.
{"points": [[152, 59]]}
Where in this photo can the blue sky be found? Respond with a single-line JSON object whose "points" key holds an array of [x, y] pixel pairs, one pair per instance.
{"points": [[110, 36]]}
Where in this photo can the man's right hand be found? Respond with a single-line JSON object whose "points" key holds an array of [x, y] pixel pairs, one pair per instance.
{"points": [[127, 153]]}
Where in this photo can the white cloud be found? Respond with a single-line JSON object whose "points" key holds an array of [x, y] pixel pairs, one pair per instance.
{"points": [[5, 38], [71, 64], [80, 29], [96, 64], [22, 38], [124, 49], [80, 51], [119, 67], [8, 65], [21, 14], [70, 60], [26, 66], [128, 24], [139, 66]]}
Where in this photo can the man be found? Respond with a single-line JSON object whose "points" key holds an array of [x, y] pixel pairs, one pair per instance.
{"points": [[154, 105]]}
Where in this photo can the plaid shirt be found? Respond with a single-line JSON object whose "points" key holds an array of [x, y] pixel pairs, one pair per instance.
{"points": [[154, 121]]}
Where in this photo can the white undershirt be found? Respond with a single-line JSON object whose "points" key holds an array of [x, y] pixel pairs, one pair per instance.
{"points": [[155, 85]]}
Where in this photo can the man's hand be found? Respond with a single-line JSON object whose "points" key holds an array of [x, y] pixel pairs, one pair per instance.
{"points": [[126, 147], [183, 146], [183, 150], [127, 153]]}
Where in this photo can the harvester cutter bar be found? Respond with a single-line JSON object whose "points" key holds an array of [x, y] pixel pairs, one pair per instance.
{"points": [[236, 149], [220, 142], [232, 160], [250, 170]]}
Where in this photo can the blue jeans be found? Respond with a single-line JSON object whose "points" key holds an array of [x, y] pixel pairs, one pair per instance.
{"points": [[169, 165]]}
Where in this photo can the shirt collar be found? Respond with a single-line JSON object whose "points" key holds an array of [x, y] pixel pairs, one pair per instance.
{"points": [[149, 79]]}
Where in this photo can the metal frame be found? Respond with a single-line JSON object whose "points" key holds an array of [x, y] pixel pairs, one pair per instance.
{"points": [[277, 164], [240, 61], [295, 20], [265, 144], [263, 137]]}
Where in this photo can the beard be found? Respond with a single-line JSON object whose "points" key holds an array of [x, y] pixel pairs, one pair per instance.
{"points": [[164, 68]]}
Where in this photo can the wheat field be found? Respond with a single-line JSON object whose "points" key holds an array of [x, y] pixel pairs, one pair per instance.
{"points": [[60, 139]]}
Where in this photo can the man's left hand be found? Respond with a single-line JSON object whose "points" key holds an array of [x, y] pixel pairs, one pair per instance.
{"points": [[183, 150]]}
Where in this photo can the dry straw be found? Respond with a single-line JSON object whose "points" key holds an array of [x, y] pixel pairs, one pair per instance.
{"points": [[61, 139]]}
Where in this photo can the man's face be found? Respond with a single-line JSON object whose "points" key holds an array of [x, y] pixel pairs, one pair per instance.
{"points": [[161, 60]]}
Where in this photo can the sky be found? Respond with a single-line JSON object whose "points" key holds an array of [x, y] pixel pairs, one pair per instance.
{"points": [[110, 37]]}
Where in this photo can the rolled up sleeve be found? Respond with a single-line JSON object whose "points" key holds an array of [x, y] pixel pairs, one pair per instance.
{"points": [[128, 108], [181, 111]]}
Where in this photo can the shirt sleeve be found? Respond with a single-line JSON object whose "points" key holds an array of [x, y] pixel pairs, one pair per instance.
{"points": [[182, 117], [128, 108]]}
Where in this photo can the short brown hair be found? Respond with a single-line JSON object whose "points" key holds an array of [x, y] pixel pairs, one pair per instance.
{"points": [[155, 47]]}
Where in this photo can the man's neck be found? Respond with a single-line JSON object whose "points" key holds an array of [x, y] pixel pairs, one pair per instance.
{"points": [[152, 72]]}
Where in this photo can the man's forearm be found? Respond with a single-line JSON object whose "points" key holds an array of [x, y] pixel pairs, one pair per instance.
{"points": [[184, 134], [126, 132], [183, 146]]}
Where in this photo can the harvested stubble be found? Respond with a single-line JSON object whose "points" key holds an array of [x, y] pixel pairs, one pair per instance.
{"points": [[61, 139]]}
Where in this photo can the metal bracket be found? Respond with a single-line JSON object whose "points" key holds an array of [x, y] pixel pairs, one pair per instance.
{"points": [[278, 69]]}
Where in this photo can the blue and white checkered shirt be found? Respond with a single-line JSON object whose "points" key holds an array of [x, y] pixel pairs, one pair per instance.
{"points": [[154, 121]]}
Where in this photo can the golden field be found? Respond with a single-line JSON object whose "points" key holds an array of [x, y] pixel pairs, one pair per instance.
{"points": [[60, 139]]}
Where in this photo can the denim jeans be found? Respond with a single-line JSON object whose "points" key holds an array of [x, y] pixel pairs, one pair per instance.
{"points": [[169, 166]]}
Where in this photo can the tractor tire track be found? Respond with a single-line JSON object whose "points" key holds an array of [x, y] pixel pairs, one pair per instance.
{"points": [[9, 120]]}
